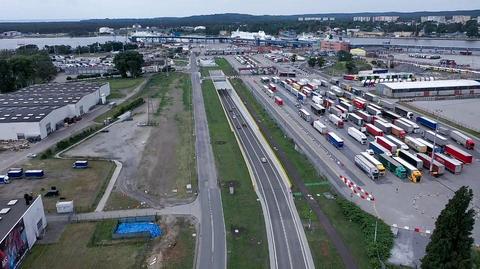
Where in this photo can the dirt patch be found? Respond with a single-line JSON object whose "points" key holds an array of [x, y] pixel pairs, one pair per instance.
{"points": [[175, 248]]}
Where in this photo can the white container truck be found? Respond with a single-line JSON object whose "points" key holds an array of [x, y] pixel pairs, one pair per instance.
{"points": [[320, 127], [367, 167], [397, 142], [357, 135]]}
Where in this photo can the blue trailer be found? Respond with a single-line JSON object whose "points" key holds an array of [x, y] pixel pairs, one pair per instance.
{"points": [[15, 173], [431, 124], [31, 174], [335, 140], [80, 164], [378, 149]]}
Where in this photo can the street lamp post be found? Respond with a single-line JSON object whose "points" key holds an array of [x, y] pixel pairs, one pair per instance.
{"points": [[434, 141]]}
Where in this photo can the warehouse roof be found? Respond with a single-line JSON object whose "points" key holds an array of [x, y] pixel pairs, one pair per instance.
{"points": [[14, 211], [431, 84], [25, 113]]}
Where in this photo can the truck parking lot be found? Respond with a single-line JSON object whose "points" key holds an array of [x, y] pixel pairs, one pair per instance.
{"points": [[398, 201]]}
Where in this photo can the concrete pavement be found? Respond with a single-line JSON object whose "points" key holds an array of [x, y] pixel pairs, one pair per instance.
{"points": [[212, 252]]}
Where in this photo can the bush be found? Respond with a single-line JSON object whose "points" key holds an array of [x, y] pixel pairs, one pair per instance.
{"points": [[75, 138], [366, 222], [69, 78], [130, 106]]}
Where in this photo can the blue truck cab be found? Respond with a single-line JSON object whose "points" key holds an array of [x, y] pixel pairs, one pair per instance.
{"points": [[431, 124], [4, 179]]}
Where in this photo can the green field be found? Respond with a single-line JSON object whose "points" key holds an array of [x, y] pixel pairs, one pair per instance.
{"points": [[242, 211], [353, 234], [120, 87], [221, 64], [78, 248]]}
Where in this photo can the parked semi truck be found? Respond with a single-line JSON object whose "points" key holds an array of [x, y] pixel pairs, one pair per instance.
{"points": [[373, 130], [378, 149], [367, 167], [15, 173], [403, 112], [30, 174], [385, 127], [393, 166], [397, 131], [415, 144], [429, 123], [437, 168], [398, 142], [335, 140], [357, 135], [458, 154], [415, 127], [320, 127], [335, 120], [355, 119], [429, 146], [410, 158], [384, 142], [412, 172], [462, 139], [452, 165], [405, 126], [386, 104], [4, 179], [377, 163], [439, 140], [360, 103], [80, 164], [365, 116]]}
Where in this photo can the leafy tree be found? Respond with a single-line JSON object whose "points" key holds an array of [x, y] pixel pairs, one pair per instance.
{"points": [[320, 61], [351, 67], [344, 56], [293, 58], [312, 62], [471, 28], [7, 81], [129, 62], [451, 242]]}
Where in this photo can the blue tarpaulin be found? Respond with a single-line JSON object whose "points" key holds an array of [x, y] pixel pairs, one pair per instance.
{"points": [[137, 227]]}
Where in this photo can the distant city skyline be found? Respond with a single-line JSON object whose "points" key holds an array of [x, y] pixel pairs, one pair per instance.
{"points": [[54, 10]]}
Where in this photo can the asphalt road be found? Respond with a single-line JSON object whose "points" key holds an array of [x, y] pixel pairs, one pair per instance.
{"points": [[289, 248], [212, 253]]}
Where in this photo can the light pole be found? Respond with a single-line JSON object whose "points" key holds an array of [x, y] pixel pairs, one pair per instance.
{"points": [[434, 141]]}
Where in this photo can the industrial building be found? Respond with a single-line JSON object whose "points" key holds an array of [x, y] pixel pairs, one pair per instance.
{"points": [[429, 88], [38, 110], [22, 222], [334, 45]]}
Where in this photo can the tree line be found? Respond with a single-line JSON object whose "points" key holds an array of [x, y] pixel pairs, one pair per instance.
{"points": [[108, 46], [23, 67]]}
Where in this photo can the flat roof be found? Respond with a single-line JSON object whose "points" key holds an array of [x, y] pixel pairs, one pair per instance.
{"points": [[13, 215], [33, 103], [431, 84]]}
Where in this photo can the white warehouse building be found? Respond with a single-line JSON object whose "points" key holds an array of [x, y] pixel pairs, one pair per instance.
{"points": [[429, 88], [36, 111]]}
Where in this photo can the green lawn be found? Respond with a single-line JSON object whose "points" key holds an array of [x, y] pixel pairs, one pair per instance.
{"points": [[77, 249], [242, 210], [119, 87], [352, 233], [222, 64]]}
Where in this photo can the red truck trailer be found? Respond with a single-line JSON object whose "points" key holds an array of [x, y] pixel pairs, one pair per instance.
{"points": [[398, 132], [437, 168], [278, 101], [462, 139], [451, 165], [365, 116], [373, 130], [360, 103], [382, 141], [458, 154]]}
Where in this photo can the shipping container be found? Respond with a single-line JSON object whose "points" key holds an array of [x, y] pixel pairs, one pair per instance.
{"points": [[429, 123], [360, 103], [412, 173], [367, 118], [355, 119], [397, 131], [439, 140], [400, 144], [305, 115], [429, 146], [452, 165], [366, 167], [357, 135], [335, 140], [337, 121], [415, 144], [377, 163], [320, 127], [385, 127], [317, 109], [458, 154], [393, 166], [34, 174], [378, 149], [80, 164], [410, 158], [437, 168], [462, 139], [373, 130], [384, 142]]}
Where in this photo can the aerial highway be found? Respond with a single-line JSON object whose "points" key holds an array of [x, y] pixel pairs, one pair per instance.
{"points": [[287, 241], [212, 253]]}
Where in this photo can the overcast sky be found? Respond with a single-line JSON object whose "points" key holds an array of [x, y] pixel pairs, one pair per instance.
{"points": [[85, 9]]}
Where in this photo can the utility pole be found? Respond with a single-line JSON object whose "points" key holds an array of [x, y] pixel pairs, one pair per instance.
{"points": [[434, 141]]}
